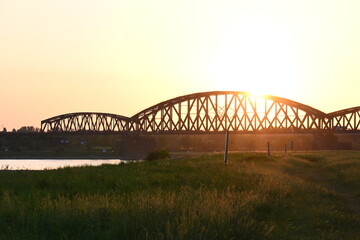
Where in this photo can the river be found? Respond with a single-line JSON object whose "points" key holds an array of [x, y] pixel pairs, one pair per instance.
{"points": [[44, 164]]}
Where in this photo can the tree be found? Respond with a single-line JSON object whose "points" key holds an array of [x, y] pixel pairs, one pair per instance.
{"points": [[28, 129], [4, 130]]}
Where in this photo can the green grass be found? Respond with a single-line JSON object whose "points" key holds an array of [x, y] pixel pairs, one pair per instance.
{"points": [[253, 197]]}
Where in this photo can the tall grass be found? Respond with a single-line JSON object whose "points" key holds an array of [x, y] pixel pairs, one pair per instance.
{"points": [[251, 198]]}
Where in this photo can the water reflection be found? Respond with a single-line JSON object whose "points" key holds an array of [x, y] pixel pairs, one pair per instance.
{"points": [[42, 164]]}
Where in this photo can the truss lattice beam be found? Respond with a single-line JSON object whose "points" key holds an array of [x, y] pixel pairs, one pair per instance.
{"points": [[211, 112]]}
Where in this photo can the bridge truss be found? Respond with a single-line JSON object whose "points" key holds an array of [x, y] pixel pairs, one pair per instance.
{"points": [[347, 119], [86, 121], [211, 112]]}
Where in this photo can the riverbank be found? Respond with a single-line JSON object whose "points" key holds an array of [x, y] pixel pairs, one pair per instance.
{"points": [[94, 157], [253, 197]]}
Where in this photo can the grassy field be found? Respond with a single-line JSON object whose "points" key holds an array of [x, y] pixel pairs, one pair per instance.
{"points": [[295, 196]]}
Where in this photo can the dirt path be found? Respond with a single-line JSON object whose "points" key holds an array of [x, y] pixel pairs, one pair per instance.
{"points": [[352, 201], [317, 175]]}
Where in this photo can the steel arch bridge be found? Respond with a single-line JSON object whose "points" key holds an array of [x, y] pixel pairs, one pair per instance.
{"points": [[211, 112]]}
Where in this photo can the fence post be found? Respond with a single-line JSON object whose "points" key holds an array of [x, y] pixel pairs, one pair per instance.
{"points": [[268, 149], [226, 147]]}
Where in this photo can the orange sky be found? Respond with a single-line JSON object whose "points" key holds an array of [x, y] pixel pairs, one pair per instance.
{"points": [[123, 56]]}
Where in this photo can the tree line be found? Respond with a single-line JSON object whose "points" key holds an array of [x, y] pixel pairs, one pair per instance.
{"points": [[23, 129]]}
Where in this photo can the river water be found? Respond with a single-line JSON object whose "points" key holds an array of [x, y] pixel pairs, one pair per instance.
{"points": [[43, 164]]}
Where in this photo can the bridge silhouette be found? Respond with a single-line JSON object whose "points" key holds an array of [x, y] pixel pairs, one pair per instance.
{"points": [[213, 112]]}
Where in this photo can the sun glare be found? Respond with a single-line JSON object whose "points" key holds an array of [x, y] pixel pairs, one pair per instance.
{"points": [[257, 58]]}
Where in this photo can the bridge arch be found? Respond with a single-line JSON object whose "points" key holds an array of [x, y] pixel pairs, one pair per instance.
{"points": [[347, 119], [228, 111], [86, 121]]}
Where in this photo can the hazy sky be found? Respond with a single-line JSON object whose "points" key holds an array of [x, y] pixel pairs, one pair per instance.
{"points": [[62, 56]]}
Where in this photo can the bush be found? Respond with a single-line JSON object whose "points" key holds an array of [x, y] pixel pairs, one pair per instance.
{"points": [[158, 154]]}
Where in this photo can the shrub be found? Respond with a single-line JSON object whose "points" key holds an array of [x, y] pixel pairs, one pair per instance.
{"points": [[157, 154]]}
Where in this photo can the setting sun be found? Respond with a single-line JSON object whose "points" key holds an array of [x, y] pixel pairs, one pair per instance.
{"points": [[257, 56]]}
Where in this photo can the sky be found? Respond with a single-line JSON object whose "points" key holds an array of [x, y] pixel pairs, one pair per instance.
{"points": [[122, 56]]}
